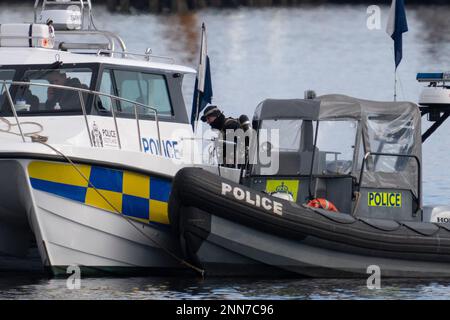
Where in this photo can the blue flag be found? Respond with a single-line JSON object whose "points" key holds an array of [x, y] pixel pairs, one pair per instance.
{"points": [[203, 86], [396, 26]]}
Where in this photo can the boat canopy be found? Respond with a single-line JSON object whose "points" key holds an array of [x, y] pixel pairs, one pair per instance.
{"points": [[386, 143], [328, 107]]}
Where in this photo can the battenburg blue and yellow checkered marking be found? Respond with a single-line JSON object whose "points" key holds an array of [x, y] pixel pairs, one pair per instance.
{"points": [[135, 195]]}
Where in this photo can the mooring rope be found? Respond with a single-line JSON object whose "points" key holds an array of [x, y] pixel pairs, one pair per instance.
{"points": [[26, 134]]}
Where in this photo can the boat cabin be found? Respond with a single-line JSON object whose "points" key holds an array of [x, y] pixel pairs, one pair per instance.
{"points": [[363, 156], [82, 87]]}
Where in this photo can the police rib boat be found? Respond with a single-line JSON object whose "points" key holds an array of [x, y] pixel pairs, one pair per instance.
{"points": [[342, 194], [90, 141]]}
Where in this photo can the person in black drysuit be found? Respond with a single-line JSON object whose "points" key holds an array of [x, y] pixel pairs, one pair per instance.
{"points": [[63, 99], [216, 119]]}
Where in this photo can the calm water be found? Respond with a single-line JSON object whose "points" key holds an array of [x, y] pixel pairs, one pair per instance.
{"points": [[278, 53]]}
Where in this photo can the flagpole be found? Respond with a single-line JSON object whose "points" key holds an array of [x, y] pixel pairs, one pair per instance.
{"points": [[395, 85], [198, 95], [396, 26], [197, 112]]}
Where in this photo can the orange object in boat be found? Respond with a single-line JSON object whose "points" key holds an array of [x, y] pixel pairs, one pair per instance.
{"points": [[322, 204]]}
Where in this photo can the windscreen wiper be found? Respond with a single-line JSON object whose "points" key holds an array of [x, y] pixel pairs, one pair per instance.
{"points": [[41, 73]]}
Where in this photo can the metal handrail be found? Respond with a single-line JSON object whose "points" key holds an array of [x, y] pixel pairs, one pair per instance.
{"points": [[366, 156], [83, 108], [124, 53], [22, 37], [110, 36]]}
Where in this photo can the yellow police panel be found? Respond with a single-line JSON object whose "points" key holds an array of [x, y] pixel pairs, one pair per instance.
{"points": [[385, 199]]}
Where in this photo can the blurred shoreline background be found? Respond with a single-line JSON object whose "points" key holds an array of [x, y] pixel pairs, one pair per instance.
{"points": [[179, 6], [182, 6]]}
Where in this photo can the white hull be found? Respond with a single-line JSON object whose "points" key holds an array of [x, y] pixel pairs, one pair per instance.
{"points": [[69, 233], [76, 234]]}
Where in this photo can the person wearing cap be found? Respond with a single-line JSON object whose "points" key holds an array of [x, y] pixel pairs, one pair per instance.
{"points": [[216, 119], [62, 98]]}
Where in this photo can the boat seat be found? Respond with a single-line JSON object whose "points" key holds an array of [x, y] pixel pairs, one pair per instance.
{"points": [[289, 163], [336, 189]]}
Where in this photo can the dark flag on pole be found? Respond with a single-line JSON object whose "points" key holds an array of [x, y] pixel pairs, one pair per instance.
{"points": [[396, 26], [203, 86]]}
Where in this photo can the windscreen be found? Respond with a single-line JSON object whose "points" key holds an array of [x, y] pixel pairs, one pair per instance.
{"points": [[393, 135], [42, 98], [289, 132], [280, 141], [397, 137], [335, 145], [333, 153]]}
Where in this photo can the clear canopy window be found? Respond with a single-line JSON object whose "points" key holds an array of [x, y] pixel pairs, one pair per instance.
{"points": [[335, 145], [289, 133], [390, 135], [333, 153]]}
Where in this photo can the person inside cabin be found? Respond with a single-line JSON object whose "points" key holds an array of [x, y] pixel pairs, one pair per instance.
{"points": [[63, 99], [217, 120], [25, 100]]}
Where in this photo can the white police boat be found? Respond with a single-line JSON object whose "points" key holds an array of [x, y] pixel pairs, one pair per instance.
{"points": [[91, 137]]}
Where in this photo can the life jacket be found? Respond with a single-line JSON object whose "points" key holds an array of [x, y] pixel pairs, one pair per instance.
{"points": [[322, 203]]}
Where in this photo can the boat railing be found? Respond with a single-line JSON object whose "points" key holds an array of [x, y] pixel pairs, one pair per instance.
{"points": [[82, 91], [112, 39], [399, 155], [110, 36], [125, 54]]}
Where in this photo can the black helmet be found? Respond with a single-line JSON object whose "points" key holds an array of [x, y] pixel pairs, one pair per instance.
{"points": [[244, 120], [210, 111]]}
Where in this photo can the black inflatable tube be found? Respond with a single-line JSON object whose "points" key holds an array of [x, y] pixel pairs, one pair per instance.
{"points": [[194, 187]]}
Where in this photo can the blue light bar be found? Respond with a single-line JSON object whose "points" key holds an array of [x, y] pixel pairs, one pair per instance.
{"points": [[433, 77]]}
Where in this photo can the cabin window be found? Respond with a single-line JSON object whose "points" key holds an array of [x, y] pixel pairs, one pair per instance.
{"points": [[43, 98], [104, 103], [144, 88], [7, 75]]}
